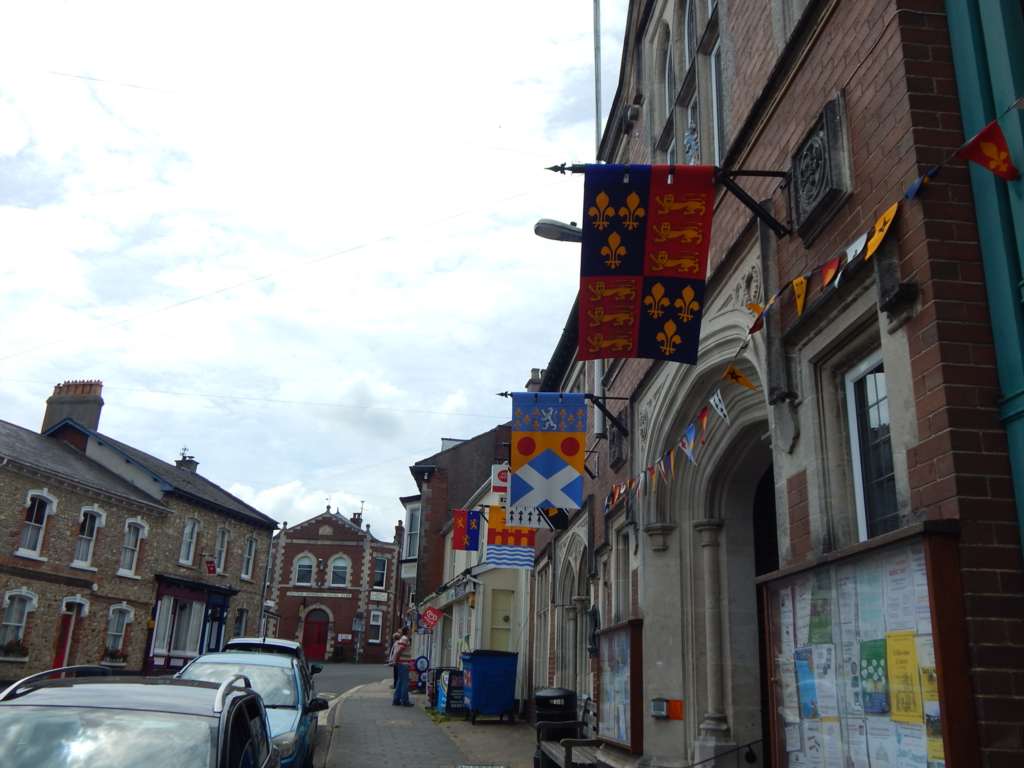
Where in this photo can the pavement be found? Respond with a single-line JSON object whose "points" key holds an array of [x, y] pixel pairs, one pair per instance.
{"points": [[362, 729]]}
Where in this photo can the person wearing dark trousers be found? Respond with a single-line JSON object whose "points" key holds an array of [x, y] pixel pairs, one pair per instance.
{"points": [[391, 659], [400, 657]]}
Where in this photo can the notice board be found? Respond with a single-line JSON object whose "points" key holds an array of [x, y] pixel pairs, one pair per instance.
{"points": [[620, 713]]}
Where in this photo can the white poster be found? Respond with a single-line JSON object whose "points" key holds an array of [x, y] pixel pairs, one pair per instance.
{"points": [[786, 639], [787, 679], [911, 750], [832, 744], [850, 675], [804, 588], [900, 613], [870, 609], [919, 573], [881, 742], [812, 744], [824, 665], [793, 741], [857, 743], [846, 581]]}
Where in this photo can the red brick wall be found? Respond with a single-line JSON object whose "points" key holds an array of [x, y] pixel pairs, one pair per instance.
{"points": [[799, 516]]}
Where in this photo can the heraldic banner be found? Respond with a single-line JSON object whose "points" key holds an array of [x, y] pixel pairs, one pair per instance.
{"points": [[466, 529], [549, 432], [646, 231], [508, 547]]}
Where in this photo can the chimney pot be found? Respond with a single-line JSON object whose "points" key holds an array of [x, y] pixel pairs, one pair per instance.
{"points": [[80, 400]]}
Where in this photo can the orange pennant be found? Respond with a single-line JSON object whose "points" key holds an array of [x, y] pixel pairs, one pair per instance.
{"points": [[733, 374], [702, 419], [800, 292], [881, 228], [828, 271]]}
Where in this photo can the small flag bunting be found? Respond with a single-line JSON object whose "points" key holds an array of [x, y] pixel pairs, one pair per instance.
{"points": [[799, 293], [702, 419], [988, 149], [719, 405], [881, 228], [828, 271], [687, 443], [733, 374], [920, 182]]}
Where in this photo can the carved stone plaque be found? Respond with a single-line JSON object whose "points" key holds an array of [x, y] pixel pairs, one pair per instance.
{"points": [[820, 172], [617, 445]]}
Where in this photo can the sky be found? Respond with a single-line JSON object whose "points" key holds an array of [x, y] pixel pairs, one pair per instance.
{"points": [[295, 238]]}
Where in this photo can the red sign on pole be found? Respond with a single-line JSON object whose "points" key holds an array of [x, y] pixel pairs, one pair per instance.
{"points": [[430, 617], [211, 567]]}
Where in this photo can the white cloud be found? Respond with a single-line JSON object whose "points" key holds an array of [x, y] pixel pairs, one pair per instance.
{"points": [[350, 188]]}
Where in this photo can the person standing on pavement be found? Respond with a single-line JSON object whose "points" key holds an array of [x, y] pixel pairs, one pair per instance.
{"points": [[391, 659], [400, 655]]}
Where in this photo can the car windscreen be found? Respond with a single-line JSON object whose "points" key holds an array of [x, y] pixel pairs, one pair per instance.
{"points": [[77, 737], [275, 684], [261, 648]]}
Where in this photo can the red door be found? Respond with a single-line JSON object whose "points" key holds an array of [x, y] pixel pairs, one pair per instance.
{"points": [[314, 635], [67, 628]]}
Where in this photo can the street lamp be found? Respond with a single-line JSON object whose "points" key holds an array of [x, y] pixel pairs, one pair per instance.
{"points": [[550, 229]]}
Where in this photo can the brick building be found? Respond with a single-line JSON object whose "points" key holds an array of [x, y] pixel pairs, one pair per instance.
{"points": [[330, 575], [114, 556], [857, 509]]}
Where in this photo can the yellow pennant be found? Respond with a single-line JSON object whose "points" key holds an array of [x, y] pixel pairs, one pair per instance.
{"points": [[733, 374], [881, 227], [800, 292]]}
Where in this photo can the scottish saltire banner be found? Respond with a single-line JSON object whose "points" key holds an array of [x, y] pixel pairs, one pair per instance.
{"points": [[548, 442], [466, 529], [646, 231], [508, 547]]}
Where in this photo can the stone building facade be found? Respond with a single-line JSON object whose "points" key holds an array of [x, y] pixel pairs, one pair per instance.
{"points": [[336, 587], [94, 549], [871, 451]]}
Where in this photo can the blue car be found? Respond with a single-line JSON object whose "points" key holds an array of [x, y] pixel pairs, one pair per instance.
{"points": [[286, 687]]}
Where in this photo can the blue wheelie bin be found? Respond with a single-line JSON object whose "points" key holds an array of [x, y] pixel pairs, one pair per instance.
{"points": [[490, 683]]}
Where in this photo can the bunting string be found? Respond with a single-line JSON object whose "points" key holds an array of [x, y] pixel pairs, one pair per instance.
{"points": [[987, 148]]}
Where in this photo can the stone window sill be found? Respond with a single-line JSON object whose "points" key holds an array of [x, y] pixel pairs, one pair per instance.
{"points": [[106, 663], [127, 574], [29, 555], [80, 566], [245, 578], [14, 659]]}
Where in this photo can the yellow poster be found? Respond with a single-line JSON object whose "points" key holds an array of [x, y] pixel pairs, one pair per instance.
{"points": [[904, 678], [930, 695]]}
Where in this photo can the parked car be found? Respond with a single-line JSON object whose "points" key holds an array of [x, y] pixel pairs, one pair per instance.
{"points": [[287, 690], [125, 722], [272, 645]]}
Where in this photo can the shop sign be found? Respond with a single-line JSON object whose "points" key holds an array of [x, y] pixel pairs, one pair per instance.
{"points": [[430, 617], [457, 591], [499, 479], [379, 597]]}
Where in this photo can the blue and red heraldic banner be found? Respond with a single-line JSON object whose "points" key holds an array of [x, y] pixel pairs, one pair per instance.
{"points": [[646, 231], [549, 433], [466, 529]]}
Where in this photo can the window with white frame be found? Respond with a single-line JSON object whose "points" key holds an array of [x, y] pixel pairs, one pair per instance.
{"points": [[38, 509], [248, 557], [412, 531], [241, 619], [668, 77], [690, 32], [380, 572], [188, 541], [376, 627], [134, 533], [304, 570], [339, 571], [121, 616], [717, 103], [188, 621], [17, 605], [221, 549], [543, 598], [874, 480], [86, 540]]}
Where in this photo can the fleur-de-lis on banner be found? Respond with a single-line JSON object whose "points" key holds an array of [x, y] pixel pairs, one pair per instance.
{"points": [[631, 212], [614, 251], [601, 211], [687, 304], [669, 338], [655, 301], [997, 159]]}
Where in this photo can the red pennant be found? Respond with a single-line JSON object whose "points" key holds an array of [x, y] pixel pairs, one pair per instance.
{"points": [[989, 150], [828, 271], [702, 419]]}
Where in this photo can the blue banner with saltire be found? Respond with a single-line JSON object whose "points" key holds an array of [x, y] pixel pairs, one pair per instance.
{"points": [[549, 431]]}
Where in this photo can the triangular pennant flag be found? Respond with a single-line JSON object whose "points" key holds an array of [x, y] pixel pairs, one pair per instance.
{"points": [[989, 150], [852, 252], [920, 182], [733, 374], [662, 468], [672, 461], [687, 443], [702, 419], [881, 228], [719, 405], [828, 271], [1018, 104], [800, 293]]}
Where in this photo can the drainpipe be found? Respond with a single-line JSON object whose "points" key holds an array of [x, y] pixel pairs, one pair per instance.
{"points": [[990, 76]]}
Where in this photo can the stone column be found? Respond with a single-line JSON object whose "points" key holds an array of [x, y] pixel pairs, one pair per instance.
{"points": [[714, 724]]}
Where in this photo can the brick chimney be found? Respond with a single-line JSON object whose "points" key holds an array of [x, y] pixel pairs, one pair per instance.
{"points": [[357, 519], [188, 463], [78, 400], [536, 376], [399, 533]]}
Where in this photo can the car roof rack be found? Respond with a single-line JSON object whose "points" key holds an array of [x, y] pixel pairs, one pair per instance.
{"points": [[12, 691], [222, 692]]}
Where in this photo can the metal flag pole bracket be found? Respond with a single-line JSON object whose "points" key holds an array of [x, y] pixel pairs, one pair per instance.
{"points": [[597, 401], [728, 180]]}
